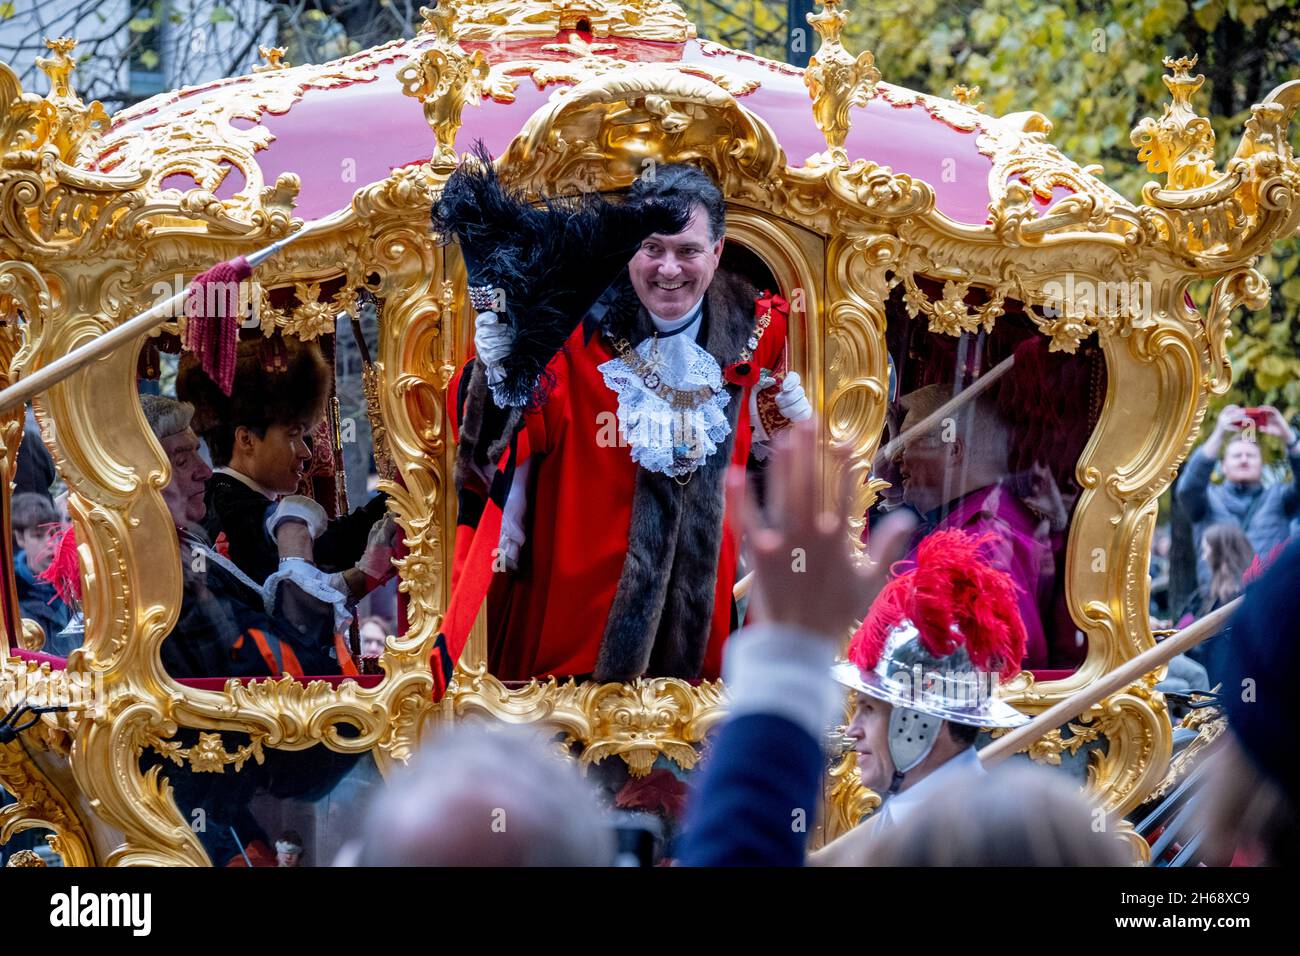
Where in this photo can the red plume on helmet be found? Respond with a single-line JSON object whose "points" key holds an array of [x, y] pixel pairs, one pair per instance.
{"points": [[955, 598]]}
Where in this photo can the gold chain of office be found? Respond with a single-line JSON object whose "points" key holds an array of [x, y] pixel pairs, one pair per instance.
{"points": [[681, 397]]}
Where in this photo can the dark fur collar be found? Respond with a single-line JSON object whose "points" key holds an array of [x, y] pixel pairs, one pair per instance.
{"points": [[663, 609]]}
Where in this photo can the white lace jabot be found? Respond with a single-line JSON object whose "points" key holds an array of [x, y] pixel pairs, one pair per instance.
{"points": [[671, 440]]}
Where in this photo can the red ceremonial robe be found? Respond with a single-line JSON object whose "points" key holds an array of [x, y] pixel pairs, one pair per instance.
{"points": [[548, 617]]}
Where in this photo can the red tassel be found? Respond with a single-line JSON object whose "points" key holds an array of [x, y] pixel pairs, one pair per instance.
{"points": [[212, 319], [1258, 566], [64, 572], [955, 597]]}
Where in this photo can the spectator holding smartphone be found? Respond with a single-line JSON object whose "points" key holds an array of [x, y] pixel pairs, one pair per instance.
{"points": [[1262, 513]]}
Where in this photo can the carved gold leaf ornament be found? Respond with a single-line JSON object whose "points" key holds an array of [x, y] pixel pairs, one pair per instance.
{"points": [[1180, 144], [272, 57], [1209, 724], [75, 123], [39, 802], [445, 78], [967, 95], [495, 20], [950, 315], [84, 245], [1218, 220], [209, 754], [25, 858], [639, 721]]}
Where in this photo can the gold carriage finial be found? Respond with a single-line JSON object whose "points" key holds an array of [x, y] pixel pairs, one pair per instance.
{"points": [[1180, 144], [836, 81], [965, 95], [273, 57], [75, 120], [444, 78]]}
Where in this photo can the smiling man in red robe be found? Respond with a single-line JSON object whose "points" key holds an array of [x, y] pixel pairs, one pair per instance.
{"points": [[613, 558]]}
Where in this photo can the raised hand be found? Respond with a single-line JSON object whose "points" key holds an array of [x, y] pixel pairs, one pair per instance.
{"points": [[1276, 424]]}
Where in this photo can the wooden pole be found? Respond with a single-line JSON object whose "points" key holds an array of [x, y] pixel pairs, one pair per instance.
{"points": [[1119, 678], [741, 587]]}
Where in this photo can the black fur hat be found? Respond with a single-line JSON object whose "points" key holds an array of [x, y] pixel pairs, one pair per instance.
{"points": [[288, 382], [551, 262]]}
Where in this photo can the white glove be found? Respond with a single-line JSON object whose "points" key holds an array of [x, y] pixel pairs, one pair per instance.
{"points": [[791, 400], [298, 508], [512, 520], [493, 340], [377, 560]]}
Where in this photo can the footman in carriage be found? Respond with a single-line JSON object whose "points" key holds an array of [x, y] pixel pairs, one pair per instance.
{"points": [[616, 557]]}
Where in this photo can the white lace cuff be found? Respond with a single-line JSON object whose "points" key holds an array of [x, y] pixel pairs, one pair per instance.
{"points": [[298, 508], [313, 581]]}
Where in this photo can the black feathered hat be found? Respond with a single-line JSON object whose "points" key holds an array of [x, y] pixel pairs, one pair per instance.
{"points": [[295, 388], [551, 262]]}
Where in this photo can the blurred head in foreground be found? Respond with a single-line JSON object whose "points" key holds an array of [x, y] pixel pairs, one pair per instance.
{"points": [[1014, 816], [480, 797]]}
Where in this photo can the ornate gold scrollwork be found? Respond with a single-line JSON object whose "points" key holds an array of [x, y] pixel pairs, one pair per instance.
{"points": [[1209, 724], [639, 722], [589, 60], [967, 96], [659, 110], [39, 802], [1240, 287], [76, 123], [1219, 220], [836, 81], [25, 858], [273, 59]]}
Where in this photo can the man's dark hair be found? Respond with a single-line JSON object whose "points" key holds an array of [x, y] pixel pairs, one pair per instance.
{"points": [[683, 183], [963, 735], [31, 510], [259, 398]]}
